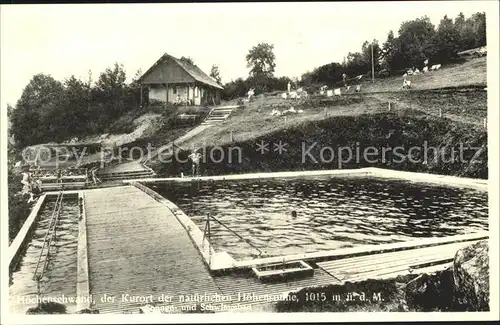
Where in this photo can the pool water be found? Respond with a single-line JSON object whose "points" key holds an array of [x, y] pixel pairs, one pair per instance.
{"points": [[60, 275], [332, 212]]}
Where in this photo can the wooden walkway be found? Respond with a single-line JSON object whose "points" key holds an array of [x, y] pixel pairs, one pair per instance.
{"points": [[136, 246], [392, 264]]}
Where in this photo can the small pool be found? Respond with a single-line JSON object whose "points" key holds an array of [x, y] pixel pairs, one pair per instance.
{"points": [[60, 276], [332, 212]]}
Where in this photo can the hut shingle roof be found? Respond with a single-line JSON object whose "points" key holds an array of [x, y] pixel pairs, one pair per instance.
{"points": [[191, 69]]}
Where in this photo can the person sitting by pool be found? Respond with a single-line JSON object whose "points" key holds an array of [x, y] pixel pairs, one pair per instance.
{"points": [[38, 185], [27, 182]]}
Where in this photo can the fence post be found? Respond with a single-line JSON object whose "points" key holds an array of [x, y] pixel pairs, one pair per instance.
{"points": [[38, 290], [208, 238], [326, 112], [485, 123], [285, 119], [389, 106], [231, 136], [440, 112]]}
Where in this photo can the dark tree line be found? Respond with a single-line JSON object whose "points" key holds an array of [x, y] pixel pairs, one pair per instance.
{"points": [[51, 110], [261, 84], [417, 40]]}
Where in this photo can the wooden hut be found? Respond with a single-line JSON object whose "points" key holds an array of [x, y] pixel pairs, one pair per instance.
{"points": [[172, 80]]}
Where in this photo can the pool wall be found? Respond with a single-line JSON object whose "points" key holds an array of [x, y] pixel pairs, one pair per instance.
{"points": [[455, 181]]}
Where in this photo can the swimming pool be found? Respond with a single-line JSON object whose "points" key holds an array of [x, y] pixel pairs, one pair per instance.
{"points": [[331, 212]]}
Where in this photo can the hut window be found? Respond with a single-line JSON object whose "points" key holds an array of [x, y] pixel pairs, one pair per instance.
{"points": [[175, 90]]}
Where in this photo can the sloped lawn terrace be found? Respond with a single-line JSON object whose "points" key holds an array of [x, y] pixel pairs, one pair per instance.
{"points": [[461, 150]]}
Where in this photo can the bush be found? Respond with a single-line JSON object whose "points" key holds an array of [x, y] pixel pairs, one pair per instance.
{"points": [[123, 125], [47, 308], [19, 208], [240, 87]]}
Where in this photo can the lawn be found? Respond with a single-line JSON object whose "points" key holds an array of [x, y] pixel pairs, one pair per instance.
{"points": [[471, 72]]}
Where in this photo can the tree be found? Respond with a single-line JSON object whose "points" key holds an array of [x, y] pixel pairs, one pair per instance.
{"points": [[214, 73], [446, 41], [475, 31], [112, 79], [460, 27], [32, 120], [134, 95], [389, 51], [260, 59], [477, 25], [415, 41], [10, 111], [307, 78], [330, 73], [234, 89], [110, 92], [77, 113], [187, 59], [47, 308]]}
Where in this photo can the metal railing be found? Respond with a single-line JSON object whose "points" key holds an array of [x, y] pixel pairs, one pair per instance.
{"points": [[44, 172], [206, 232], [49, 237]]}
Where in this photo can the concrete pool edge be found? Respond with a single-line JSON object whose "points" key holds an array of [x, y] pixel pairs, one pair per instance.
{"points": [[480, 184], [17, 243], [213, 260], [363, 250], [477, 183]]}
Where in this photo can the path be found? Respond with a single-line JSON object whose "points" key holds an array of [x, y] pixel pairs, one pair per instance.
{"points": [[211, 120], [136, 246]]}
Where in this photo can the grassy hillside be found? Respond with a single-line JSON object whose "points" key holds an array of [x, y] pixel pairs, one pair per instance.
{"points": [[471, 72], [456, 93], [391, 137]]}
